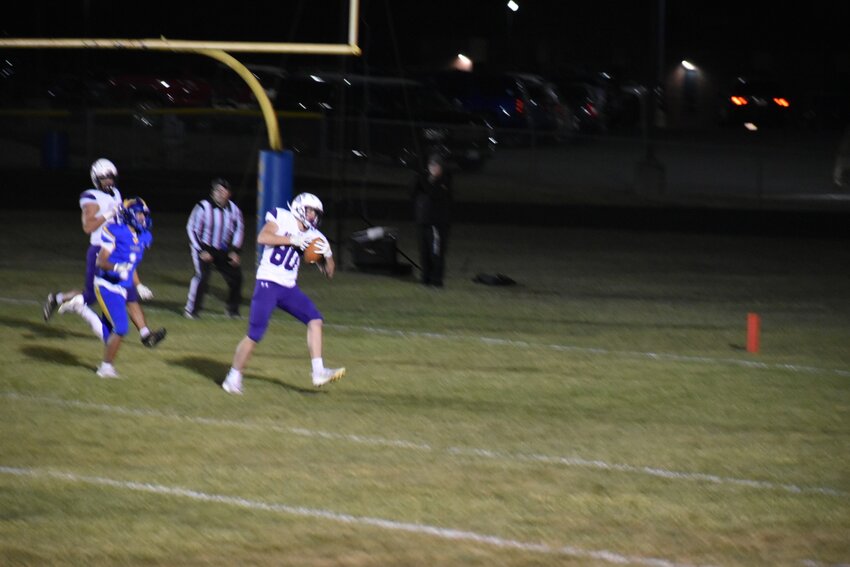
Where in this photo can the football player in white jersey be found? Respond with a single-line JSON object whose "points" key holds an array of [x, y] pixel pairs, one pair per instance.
{"points": [[99, 205], [285, 235]]}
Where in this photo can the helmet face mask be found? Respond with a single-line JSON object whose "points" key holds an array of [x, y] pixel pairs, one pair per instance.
{"points": [[308, 209], [135, 213], [101, 170]]}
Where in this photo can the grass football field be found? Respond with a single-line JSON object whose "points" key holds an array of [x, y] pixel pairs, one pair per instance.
{"points": [[602, 411]]}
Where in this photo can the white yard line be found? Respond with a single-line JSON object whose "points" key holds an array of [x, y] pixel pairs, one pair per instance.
{"points": [[793, 368], [317, 513], [495, 341], [474, 452]]}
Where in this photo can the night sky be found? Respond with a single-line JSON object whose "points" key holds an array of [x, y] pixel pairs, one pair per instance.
{"points": [[807, 43]]}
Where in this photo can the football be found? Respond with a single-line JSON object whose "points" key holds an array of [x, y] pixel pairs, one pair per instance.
{"points": [[310, 254]]}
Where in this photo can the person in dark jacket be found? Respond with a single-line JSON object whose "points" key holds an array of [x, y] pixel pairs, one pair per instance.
{"points": [[432, 206]]}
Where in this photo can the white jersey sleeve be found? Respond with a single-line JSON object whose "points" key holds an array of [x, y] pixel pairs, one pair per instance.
{"points": [[280, 264], [104, 202]]}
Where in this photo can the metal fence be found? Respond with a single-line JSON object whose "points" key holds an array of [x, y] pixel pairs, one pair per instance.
{"points": [[612, 167]]}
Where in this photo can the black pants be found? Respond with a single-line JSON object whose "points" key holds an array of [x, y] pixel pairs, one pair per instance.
{"points": [[200, 282], [433, 242]]}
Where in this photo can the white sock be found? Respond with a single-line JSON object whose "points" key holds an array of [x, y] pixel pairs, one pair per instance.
{"points": [[105, 365], [93, 320], [144, 332], [60, 297], [235, 373], [318, 364]]}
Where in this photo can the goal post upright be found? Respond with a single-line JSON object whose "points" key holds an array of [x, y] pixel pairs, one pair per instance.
{"points": [[274, 182]]}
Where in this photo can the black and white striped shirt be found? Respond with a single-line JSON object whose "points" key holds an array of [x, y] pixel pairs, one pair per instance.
{"points": [[211, 226]]}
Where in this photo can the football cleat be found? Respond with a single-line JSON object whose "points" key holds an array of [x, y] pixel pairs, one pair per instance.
{"points": [[74, 305], [326, 375], [107, 371], [154, 338], [50, 306], [233, 383]]}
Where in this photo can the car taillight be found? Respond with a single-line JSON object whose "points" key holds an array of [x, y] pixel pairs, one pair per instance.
{"points": [[519, 106], [738, 100], [781, 102]]}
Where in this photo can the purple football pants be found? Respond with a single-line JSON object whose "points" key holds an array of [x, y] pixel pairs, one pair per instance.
{"points": [[269, 295], [88, 289]]}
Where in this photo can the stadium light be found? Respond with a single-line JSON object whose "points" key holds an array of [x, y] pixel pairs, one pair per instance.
{"points": [[513, 6], [463, 63]]}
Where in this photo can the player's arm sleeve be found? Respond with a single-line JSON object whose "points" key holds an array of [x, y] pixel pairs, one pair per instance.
{"points": [[271, 231], [269, 236], [92, 215]]}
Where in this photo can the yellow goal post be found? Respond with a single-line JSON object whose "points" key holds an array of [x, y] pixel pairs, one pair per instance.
{"points": [[218, 50]]}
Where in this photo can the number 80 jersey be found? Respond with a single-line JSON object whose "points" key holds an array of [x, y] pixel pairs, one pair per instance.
{"points": [[279, 264]]}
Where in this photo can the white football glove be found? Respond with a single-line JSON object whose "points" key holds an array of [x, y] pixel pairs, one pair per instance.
{"points": [[298, 241], [145, 293], [110, 211], [122, 269], [323, 248]]}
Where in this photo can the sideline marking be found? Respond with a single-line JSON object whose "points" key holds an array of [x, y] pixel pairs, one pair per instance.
{"points": [[795, 368], [462, 451], [424, 529], [659, 356]]}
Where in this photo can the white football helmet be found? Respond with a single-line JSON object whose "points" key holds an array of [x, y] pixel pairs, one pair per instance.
{"points": [[102, 168], [301, 203]]}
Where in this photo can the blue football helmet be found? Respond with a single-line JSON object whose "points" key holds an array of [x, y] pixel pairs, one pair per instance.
{"points": [[135, 213]]}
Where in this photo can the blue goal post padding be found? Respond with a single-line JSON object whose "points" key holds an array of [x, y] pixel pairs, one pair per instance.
{"points": [[274, 185]]}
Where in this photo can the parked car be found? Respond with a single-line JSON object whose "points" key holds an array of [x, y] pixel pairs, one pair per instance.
{"points": [[587, 104], [385, 117], [159, 90], [756, 103], [518, 105], [230, 91]]}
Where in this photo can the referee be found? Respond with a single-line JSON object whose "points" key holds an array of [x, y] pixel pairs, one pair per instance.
{"points": [[216, 230]]}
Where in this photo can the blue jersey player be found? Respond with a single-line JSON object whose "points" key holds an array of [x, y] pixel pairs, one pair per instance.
{"points": [[99, 206], [284, 235], [122, 247]]}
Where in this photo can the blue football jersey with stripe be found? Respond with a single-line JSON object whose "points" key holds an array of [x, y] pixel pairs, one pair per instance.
{"points": [[125, 246]]}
